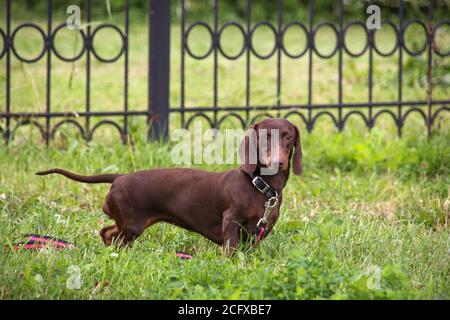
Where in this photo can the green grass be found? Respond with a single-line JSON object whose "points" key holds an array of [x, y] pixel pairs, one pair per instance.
{"points": [[365, 201], [369, 208]]}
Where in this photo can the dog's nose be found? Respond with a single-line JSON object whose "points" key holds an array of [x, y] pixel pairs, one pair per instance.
{"points": [[281, 163], [278, 164]]}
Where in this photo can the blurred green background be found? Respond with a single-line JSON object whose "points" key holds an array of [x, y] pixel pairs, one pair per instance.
{"points": [[261, 9]]}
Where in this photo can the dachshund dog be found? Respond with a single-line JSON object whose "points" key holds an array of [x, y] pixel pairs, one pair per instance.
{"points": [[225, 207]]}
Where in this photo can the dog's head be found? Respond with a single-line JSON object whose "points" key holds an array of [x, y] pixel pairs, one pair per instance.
{"points": [[271, 143]]}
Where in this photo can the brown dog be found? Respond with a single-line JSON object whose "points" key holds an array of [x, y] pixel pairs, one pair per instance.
{"points": [[224, 207]]}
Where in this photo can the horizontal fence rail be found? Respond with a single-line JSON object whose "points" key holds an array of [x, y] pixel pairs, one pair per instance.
{"points": [[159, 108]]}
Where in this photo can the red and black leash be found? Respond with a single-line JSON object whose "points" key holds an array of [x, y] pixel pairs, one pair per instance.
{"points": [[39, 242]]}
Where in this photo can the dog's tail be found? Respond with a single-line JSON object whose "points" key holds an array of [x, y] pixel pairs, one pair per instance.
{"points": [[101, 178]]}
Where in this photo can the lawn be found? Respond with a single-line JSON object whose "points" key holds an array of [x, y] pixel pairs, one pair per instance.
{"points": [[367, 219], [370, 208]]}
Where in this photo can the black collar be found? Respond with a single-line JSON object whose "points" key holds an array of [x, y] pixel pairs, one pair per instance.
{"points": [[262, 186]]}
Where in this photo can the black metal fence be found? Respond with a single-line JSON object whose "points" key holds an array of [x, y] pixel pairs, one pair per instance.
{"points": [[158, 109], [48, 130]]}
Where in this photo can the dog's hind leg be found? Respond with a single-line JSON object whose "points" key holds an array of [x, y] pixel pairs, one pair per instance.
{"points": [[129, 233], [123, 237], [132, 230], [109, 233]]}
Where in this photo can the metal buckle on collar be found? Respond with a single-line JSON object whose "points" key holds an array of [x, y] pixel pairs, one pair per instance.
{"points": [[258, 180]]}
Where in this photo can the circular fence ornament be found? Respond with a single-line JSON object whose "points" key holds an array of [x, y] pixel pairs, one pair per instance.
{"points": [[391, 51], [323, 26], [438, 46], [347, 36], [3, 37], [228, 26], [56, 51], [289, 28], [14, 48], [409, 28], [122, 36], [259, 26], [204, 25]]}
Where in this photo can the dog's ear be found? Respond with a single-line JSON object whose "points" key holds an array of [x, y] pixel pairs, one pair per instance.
{"points": [[297, 158], [248, 152]]}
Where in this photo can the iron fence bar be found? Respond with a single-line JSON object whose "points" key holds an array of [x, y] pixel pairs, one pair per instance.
{"points": [[370, 39], [247, 65], [400, 67], [340, 43], [231, 108], [8, 69], [310, 61], [159, 68], [30, 115], [88, 64], [149, 97], [349, 105], [215, 46], [279, 43], [125, 90], [183, 53], [48, 45], [430, 40], [159, 75]]}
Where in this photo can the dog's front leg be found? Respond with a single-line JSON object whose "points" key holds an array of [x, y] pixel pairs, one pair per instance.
{"points": [[230, 233]]}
